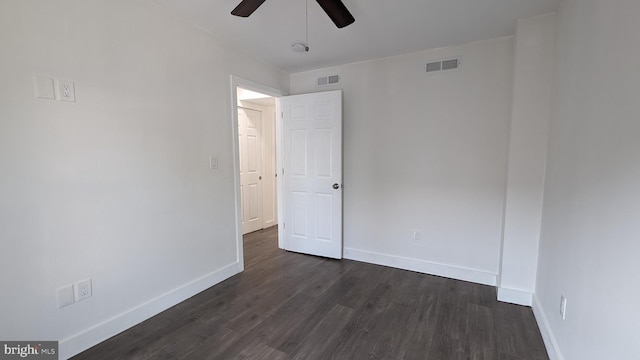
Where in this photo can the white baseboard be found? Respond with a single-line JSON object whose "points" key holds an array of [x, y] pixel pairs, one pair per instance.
{"points": [[513, 296], [421, 266], [547, 335], [117, 324]]}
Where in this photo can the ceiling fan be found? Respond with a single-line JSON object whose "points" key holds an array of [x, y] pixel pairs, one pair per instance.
{"points": [[336, 10]]}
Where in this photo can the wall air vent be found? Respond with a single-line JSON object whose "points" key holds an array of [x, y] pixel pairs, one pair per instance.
{"points": [[328, 80], [443, 65], [434, 66]]}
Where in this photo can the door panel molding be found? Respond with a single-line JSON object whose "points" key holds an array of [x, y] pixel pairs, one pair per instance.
{"points": [[311, 127], [251, 167]]}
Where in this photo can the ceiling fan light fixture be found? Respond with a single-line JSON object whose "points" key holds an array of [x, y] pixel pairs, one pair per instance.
{"points": [[300, 47]]}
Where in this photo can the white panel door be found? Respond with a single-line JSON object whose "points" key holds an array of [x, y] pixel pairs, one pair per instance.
{"points": [[269, 186], [250, 146], [312, 178]]}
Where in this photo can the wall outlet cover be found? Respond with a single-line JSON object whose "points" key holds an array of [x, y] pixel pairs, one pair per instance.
{"points": [[83, 289], [67, 91], [563, 307], [65, 296], [45, 87]]}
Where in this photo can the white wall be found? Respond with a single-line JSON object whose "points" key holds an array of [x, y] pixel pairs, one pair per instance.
{"points": [[533, 72], [589, 244], [426, 153], [116, 186]]}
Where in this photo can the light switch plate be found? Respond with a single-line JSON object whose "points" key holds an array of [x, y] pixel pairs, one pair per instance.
{"points": [[45, 88], [65, 296], [67, 91]]}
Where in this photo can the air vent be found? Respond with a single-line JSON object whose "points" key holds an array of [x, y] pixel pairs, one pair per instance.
{"points": [[329, 80], [434, 66], [451, 64]]}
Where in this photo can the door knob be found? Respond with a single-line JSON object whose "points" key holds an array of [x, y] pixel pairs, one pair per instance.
{"points": [[336, 186], [259, 177]]}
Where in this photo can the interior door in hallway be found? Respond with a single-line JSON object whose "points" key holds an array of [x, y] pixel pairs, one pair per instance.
{"points": [[312, 178], [250, 145]]}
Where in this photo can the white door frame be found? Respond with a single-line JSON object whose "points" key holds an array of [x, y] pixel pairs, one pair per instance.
{"points": [[277, 93]]}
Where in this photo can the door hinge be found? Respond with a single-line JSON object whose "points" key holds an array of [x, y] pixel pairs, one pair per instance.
{"points": [[284, 226], [283, 171], [282, 115]]}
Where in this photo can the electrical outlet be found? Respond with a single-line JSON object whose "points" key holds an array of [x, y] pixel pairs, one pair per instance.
{"points": [[67, 91], [65, 296], [416, 236], [83, 289], [563, 307]]}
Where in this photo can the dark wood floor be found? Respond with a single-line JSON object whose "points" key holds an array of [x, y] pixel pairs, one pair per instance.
{"points": [[292, 306]]}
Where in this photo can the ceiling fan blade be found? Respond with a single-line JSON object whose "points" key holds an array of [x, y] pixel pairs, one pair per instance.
{"points": [[246, 7], [338, 13]]}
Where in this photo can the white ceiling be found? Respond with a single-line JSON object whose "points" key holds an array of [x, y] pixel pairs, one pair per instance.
{"points": [[382, 27]]}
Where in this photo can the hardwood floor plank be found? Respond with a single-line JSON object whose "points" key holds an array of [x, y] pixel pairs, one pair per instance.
{"points": [[258, 350], [421, 329], [213, 346], [282, 323], [359, 336], [480, 332], [292, 306], [392, 326], [368, 278], [306, 324], [330, 272], [449, 341], [323, 335]]}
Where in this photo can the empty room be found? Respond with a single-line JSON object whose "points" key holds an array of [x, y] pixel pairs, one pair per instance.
{"points": [[320, 179]]}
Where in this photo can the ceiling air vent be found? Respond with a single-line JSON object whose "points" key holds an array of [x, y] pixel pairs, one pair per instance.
{"points": [[435, 66], [329, 80]]}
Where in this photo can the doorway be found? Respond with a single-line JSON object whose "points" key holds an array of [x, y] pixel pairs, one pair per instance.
{"points": [[255, 96], [308, 180], [257, 159]]}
